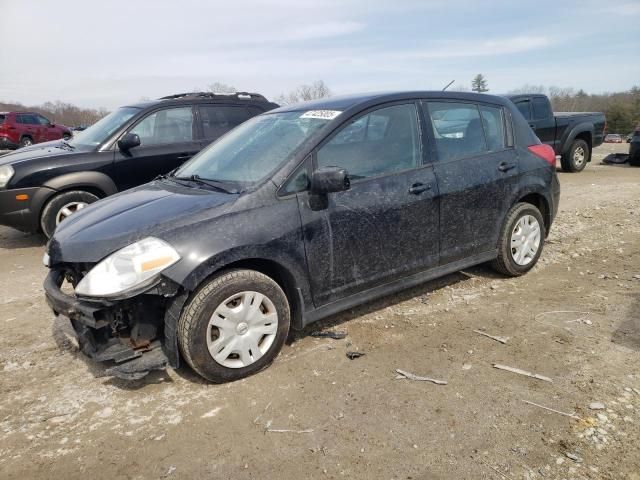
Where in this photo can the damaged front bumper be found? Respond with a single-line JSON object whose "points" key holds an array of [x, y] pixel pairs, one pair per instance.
{"points": [[136, 334]]}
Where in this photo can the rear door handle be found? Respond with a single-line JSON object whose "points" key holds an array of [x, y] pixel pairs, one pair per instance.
{"points": [[505, 167], [418, 188], [533, 127]]}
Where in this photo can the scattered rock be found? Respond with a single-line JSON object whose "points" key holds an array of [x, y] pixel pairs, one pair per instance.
{"points": [[602, 417], [597, 406], [573, 457]]}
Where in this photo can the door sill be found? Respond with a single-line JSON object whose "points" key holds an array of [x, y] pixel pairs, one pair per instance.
{"points": [[374, 293]]}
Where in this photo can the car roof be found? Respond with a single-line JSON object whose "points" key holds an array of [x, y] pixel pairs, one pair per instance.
{"points": [[346, 102], [238, 98]]}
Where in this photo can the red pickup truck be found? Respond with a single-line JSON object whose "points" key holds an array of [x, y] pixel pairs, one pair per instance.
{"points": [[21, 129]]}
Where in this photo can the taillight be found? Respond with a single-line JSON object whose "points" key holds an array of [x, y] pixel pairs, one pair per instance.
{"points": [[545, 152]]}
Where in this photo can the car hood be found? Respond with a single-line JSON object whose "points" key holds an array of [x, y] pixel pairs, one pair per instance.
{"points": [[157, 209], [41, 150]]}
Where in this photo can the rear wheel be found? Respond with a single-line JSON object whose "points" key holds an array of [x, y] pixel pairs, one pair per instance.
{"points": [[26, 142], [60, 207], [521, 240], [234, 325], [576, 158]]}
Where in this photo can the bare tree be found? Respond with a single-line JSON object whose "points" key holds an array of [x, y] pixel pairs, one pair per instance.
{"points": [[218, 87], [304, 93]]}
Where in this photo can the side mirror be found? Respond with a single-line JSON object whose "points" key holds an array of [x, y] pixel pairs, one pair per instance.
{"points": [[129, 141], [51, 125], [329, 179]]}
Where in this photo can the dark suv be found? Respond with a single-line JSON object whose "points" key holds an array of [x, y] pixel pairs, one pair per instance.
{"points": [[43, 184], [295, 215], [23, 129]]}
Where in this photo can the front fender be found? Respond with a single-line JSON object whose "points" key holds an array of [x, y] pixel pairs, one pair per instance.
{"points": [[96, 180]]}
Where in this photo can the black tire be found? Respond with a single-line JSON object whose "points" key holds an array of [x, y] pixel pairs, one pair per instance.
{"points": [[26, 141], [194, 320], [505, 262], [51, 211], [66, 137], [571, 161]]}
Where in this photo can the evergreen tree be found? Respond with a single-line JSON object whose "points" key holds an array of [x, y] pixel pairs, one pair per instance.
{"points": [[479, 84]]}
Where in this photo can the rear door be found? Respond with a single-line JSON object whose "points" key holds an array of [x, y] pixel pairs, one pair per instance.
{"points": [[215, 120], [166, 142], [49, 132], [386, 225], [30, 126], [543, 121], [476, 170]]}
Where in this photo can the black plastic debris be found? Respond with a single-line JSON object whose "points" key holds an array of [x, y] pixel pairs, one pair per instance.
{"points": [[354, 355], [616, 159], [334, 335]]}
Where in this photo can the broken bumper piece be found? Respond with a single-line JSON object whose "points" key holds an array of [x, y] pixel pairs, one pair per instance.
{"points": [[124, 332]]}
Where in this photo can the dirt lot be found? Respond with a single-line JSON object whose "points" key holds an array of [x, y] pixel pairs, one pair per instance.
{"points": [[575, 318]]}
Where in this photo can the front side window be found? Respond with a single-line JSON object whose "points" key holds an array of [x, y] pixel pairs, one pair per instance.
{"points": [[219, 119], [172, 125], [457, 129], [250, 152], [382, 141], [42, 120], [100, 131]]}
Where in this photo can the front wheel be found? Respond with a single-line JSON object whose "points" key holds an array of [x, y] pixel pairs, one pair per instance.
{"points": [[66, 137], [234, 325], [26, 142], [62, 206], [521, 240], [577, 157]]}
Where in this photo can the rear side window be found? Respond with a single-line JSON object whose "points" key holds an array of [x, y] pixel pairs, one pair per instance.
{"points": [[383, 141], [525, 108], [457, 129], [219, 119], [541, 108], [172, 125], [493, 124], [2, 118]]}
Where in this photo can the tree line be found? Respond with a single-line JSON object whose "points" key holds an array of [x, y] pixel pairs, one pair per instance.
{"points": [[622, 109], [60, 112]]}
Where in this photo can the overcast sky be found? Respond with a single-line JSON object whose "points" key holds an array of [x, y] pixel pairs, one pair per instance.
{"points": [[107, 53]]}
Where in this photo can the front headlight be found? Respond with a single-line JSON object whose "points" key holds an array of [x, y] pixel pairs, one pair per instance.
{"points": [[6, 172], [129, 269]]}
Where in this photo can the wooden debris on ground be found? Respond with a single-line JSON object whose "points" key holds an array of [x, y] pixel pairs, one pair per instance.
{"points": [[410, 376], [522, 372], [492, 337]]}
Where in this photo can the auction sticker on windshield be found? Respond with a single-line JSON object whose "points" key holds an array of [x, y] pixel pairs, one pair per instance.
{"points": [[323, 114]]}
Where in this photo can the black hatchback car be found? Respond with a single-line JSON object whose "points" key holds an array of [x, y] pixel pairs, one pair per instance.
{"points": [[295, 215], [43, 184]]}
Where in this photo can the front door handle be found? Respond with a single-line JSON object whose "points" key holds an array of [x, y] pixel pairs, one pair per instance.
{"points": [[418, 188], [505, 166]]}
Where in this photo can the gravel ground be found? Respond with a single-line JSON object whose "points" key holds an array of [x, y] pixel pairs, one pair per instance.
{"points": [[575, 319]]}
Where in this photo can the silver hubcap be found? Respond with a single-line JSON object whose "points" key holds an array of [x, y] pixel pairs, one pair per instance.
{"points": [[69, 209], [242, 329], [525, 240], [579, 156], [26, 142]]}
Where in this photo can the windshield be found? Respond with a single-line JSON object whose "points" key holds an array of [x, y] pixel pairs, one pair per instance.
{"points": [[103, 128], [248, 153]]}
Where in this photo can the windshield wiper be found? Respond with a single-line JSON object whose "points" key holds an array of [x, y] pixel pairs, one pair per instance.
{"points": [[205, 181], [67, 144]]}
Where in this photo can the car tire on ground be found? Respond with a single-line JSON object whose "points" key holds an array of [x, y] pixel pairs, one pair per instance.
{"points": [[234, 325], [577, 157], [61, 206], [26, 141], [521, 240], [66, 137]]}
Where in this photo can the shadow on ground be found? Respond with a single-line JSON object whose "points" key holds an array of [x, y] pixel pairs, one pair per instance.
{"points": [[628, 333]]}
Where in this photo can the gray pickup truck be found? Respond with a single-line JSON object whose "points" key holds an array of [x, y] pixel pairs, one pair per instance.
{"points": [[572, 135]]}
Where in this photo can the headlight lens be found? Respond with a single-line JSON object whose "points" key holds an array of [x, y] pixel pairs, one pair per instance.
{"points": [[6, 172], [128, 269]]}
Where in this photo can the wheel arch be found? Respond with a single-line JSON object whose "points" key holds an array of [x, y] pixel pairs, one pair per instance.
{"points": [[538, 200], [583, 131]]}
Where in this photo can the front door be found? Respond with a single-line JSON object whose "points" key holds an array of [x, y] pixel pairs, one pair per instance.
{"points": [[477, 173], [386, 225], [166, 142]]}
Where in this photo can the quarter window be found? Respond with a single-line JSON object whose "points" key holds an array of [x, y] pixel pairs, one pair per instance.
{"points": [[219, 119], [173, 125], [383, 141], [541, 108]]}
